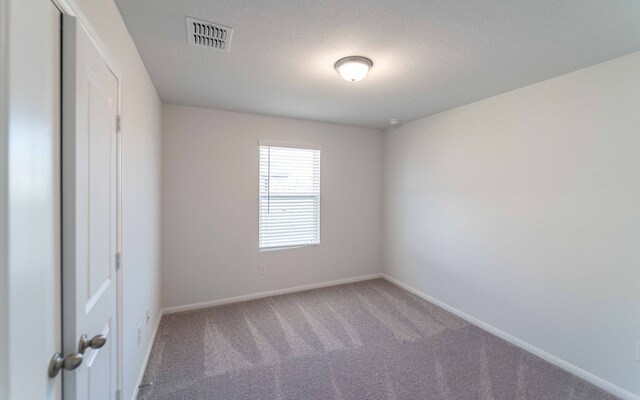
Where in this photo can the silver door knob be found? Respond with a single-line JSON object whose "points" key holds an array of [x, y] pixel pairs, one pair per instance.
{"points": [[95, 342], [69, 363]]}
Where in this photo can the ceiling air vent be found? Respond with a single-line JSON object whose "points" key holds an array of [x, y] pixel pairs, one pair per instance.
{"points": [[208, 34]]}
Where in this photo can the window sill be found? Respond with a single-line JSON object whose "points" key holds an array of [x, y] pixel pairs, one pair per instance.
{"points": [[268, 249]]}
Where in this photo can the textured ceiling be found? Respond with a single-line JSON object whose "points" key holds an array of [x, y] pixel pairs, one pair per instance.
{"points": [[429, 55]]}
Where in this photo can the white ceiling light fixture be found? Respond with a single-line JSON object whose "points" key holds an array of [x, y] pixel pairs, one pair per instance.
{"points": [[353, 68]]}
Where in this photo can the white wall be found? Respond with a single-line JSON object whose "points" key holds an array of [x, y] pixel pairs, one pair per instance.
{"points": [[210, 205], [30, 202], [4, 197], [141, 195], [523, 210]]}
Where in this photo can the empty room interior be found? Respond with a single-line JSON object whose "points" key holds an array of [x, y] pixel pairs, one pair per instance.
{"points": [[319, 200]]}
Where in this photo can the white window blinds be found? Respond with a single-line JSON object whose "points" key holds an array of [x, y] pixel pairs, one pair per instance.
{"points": [[289, 196]]}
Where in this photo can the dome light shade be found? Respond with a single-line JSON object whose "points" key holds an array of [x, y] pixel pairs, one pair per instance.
{"points": [[354, 68]]}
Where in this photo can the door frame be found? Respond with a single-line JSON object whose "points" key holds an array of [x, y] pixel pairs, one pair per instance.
{"points": [[69, 7]]}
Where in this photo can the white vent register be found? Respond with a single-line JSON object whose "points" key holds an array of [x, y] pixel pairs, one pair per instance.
{"points": [[208, 34]]}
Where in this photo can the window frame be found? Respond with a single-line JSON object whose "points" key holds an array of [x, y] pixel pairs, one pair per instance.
{"points": [[302, 146]]}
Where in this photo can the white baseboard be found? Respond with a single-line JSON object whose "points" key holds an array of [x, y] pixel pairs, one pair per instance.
{"points": [[587, 376], [143, 368], [238, 299]]}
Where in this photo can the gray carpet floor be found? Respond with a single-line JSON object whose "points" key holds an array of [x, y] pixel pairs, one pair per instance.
{"points": [[367, 340]]}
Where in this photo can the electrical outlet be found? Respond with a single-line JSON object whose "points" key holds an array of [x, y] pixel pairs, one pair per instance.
{"points": [[263, 269], [139, 334], [148, 315]]}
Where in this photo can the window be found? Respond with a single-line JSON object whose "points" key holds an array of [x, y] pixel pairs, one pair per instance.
{"points": [[289, 196]]}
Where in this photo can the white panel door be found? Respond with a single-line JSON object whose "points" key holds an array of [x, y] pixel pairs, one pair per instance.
{"points": [[89, 187]]}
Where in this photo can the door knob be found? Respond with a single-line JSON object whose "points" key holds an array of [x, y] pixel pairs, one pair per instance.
{"points": [[95, 342], [69, 363]]}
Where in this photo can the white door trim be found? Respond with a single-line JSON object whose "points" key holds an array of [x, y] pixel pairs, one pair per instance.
{"points": [[71, 8]]}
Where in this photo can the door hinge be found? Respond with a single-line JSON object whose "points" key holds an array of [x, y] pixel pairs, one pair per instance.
{"points": [[118, 123], [118, 394], [118, 260]]}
